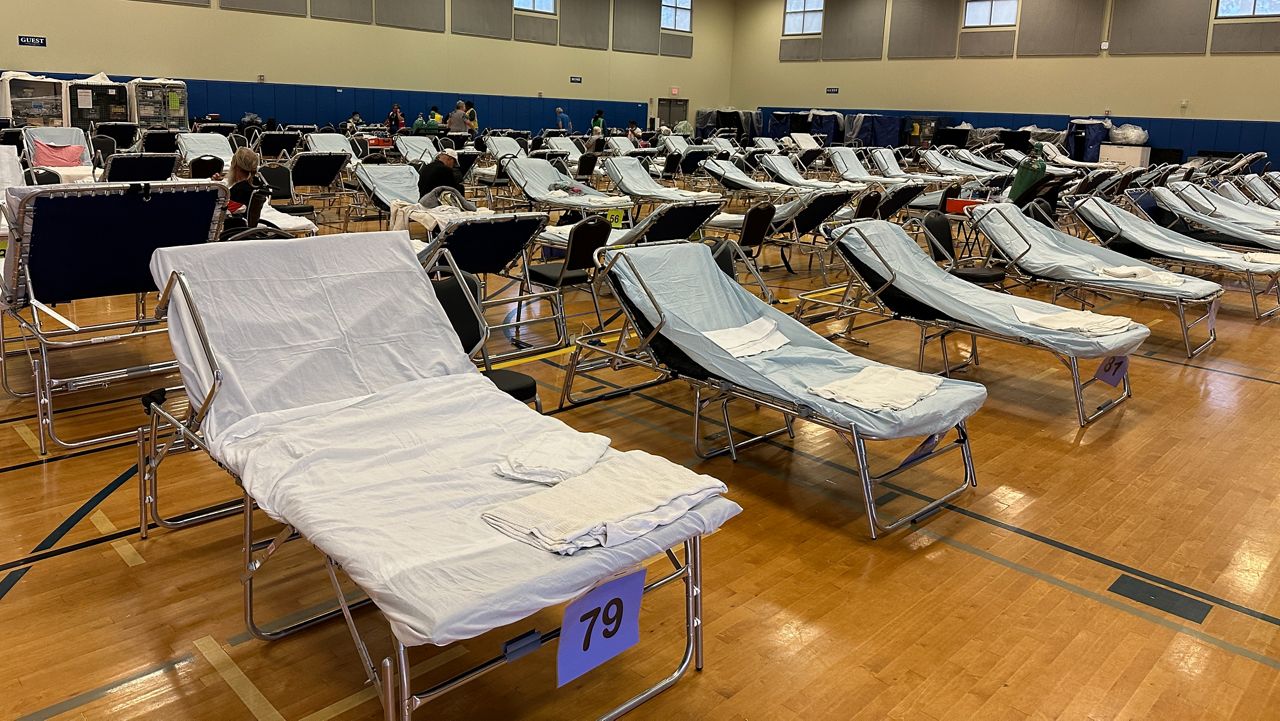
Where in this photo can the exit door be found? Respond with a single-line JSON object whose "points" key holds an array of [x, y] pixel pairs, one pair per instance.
{"points": [[671, 111]]}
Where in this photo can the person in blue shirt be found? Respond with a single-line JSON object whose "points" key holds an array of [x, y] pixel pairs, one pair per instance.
{"points": [[563, 121]]}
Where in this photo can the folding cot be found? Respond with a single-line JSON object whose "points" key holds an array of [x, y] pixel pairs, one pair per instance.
{"points": [[1260, 191], [969, 157], [681, 158], [501, 150], [416, 147], [887, 165], [274, 144], [331, 143], [1207, 202], [194, 145], [81, 241], [738, 183], [944, 165], [1181, 215], [679, 220], [67, 151], [1053, 154], [629, 176], [384, 184], [10, 177], [549, 189], [1015, 158], [139, 167], [297, 413], [808, 148], [893, 275], [1140, 237], [668, 330], [847, 165], [794, 221], [781, 169], [621, 145], [1046, 254]]}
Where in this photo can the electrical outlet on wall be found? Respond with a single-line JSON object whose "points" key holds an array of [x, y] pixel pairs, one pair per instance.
{"points": [[1184, 103]]}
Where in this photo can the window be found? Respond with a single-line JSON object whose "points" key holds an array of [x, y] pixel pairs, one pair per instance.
{"points": [[1248, 8], [677, 15], [990, 13], [803, 17], [537, 6]]}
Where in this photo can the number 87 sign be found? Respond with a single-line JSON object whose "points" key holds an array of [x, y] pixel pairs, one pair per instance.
{"points": [[599, 625]]}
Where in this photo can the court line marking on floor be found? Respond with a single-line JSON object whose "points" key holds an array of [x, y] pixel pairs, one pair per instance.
{"points": [[126, 551], [240, 684], [87, 697], [369, 693], [27, 437], [1105, 600], [1025, 533]]}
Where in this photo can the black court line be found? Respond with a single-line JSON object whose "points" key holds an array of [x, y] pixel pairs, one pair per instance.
{"points": [[1031, 535], [9, 581], [34, 558], [76, 454], [32, 416], [1186, 364]]}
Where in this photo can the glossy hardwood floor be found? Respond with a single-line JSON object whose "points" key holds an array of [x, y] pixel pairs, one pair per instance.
{"points": [[998, 608]]}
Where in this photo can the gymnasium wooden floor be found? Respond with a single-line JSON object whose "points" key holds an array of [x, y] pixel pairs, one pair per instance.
{"points": [[997, 608]]}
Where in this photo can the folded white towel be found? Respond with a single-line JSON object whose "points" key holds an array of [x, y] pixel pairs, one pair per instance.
{"points": [[758, 336], [1264, 258], [553, 456], [619, 500], [877, 388], [1082, 322], [1138, 272]]}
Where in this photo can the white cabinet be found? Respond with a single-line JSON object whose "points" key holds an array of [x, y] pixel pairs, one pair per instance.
{"points": [[1128, 156]]}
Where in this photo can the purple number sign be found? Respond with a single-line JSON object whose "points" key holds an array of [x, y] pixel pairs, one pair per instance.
{"points": [[599, 625]]}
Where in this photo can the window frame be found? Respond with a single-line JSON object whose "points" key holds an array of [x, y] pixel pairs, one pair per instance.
{"points": [[664, 5], [964, 16], [822, 20], [1253, 15], [553, 12]]}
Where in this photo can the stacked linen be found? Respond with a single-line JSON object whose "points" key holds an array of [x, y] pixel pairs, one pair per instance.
{"points": [[1076, 321], [619, 500], [877, 388], [759, 336], [553, 456], [1263, 258]]}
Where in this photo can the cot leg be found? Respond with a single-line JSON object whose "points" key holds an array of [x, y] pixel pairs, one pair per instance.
{"points": [[44, 404], [407, 702], [1078, 386], [389, 698]]}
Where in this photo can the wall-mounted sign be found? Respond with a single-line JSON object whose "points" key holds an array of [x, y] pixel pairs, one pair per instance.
{"points": [[833, 91], [575, 79], [33, 41]]}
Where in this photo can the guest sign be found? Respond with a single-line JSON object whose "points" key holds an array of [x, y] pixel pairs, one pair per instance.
{"points": [[1113, 370], [599, 625]]}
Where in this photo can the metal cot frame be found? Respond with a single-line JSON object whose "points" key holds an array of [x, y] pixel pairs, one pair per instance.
{"points": [[859, 291], [1250, 278], [391, 677], [1076, 289], [593, 351], [68, 335]]}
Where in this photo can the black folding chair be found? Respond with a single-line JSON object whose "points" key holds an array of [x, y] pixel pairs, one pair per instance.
{"points": [[140, 167], [206, 166]]}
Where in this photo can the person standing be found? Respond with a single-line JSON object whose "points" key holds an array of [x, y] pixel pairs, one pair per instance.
{"points": [[598, 121], [457, 122], [473, 120], [563, 121], [420, 124], [395, 120]]}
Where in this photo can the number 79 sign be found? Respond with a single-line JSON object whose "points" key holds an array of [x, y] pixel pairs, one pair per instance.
{"points": [[599, 625]]}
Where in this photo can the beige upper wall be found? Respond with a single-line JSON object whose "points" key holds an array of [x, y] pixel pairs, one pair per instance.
{"points": [[128, 37], [1217, 87]]}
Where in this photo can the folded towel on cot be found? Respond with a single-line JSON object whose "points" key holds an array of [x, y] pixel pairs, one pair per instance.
{"points": [[758, 336], [1138, 272], [877, 388], [551, 457], [619, 500], [1075, 321], [1264, 258]]}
